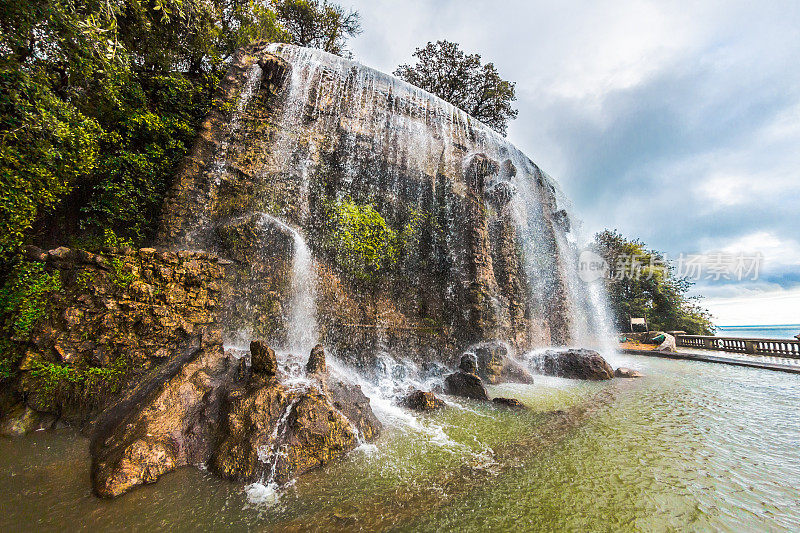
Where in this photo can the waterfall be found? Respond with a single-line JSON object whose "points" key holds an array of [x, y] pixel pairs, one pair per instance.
{"points": [[301, 319], [332, 129]]}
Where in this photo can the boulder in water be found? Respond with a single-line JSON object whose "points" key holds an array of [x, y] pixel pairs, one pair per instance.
{"points": [[316, 361], [277, 433], [466, 384], [262, 359], [575, 363], [351, 401], [495, 365], [509, 402], [422, 401], [623, 372]]}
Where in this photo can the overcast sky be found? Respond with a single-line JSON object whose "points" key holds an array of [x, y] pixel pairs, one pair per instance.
{"points": [[674, 122]]}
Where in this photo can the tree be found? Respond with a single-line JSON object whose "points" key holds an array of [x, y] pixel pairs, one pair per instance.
{"points": [[641, 283], [459, 78], [317, 24], [101, 99]]}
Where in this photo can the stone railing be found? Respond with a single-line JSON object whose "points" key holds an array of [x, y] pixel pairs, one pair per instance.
{"points": [[774, 347]]}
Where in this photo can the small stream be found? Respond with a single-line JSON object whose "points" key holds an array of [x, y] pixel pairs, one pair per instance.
{"points": [[691, 445]]}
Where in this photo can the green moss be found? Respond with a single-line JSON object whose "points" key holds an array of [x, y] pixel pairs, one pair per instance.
{"points": [[85, 279], [120, 276], [359, 239], [23, 302], [54, 377]]}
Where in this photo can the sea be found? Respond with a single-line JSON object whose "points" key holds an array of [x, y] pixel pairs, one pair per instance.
{"points": [[775, 331]]}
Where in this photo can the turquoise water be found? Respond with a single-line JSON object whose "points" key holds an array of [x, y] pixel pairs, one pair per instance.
{"points": [[777, 331]]}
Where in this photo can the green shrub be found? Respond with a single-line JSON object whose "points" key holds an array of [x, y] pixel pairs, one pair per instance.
{"points": [[359, 240], [23, 302]]}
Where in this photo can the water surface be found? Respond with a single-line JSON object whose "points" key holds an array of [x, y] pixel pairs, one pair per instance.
{"points": [[692, 445]]}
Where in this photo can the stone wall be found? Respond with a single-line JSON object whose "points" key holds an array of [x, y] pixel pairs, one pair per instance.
{"points": [[118, 316]]}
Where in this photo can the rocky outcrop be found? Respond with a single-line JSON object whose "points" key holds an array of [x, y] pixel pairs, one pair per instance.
{"points": [[116, 317], [248, 425], [274, 432], [575, 364], [422, 401], [166, 422], [466, 382], [623, 372], [495, 365]]}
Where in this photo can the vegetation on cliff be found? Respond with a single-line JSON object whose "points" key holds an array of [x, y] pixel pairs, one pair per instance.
{"points": [[652, 290], [443, 69], [100, 101], [358, 238]]}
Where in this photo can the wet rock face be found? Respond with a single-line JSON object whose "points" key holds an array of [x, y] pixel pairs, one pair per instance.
{"points": [[313, 129], [576, 364], [262, 359], [422, 401]]}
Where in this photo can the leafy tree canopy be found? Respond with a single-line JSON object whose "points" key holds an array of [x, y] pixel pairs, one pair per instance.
{"points": [[443, 69], [641, 283], [101, 99], [318, 24]]}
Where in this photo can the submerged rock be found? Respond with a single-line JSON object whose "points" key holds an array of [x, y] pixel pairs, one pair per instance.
{"points": [[22, 419], [422, 401], [262, 359], [623, 372], [509, 402], [575, 363]]}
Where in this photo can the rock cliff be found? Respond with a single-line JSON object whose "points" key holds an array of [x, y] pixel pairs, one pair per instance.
{"points": [[429, 232]]}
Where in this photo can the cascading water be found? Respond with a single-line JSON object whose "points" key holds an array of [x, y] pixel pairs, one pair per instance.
{"points": [[301, 320], [483, 250]]}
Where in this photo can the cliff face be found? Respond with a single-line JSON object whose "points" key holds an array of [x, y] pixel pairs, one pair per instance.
{"points": [[117, 321], [428, 232]]}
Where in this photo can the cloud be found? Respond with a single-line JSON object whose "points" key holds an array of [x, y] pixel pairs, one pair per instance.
{"points": [[677, 123]]}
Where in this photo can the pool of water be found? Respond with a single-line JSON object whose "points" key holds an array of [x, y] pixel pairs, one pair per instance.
{"points": [[691, 445]]}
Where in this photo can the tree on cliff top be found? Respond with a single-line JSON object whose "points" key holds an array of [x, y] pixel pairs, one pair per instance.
{"points": [[317, 24], [641, 283], [459, 78]]}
